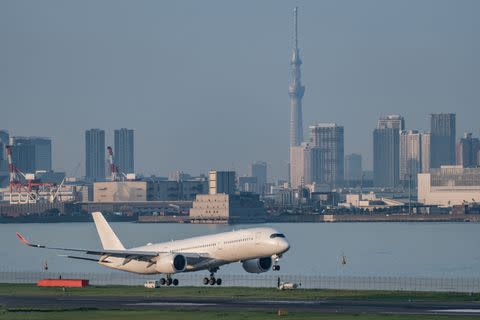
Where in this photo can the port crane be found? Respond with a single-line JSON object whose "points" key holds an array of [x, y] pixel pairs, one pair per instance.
{"points": [[24, 192], [115, 173]]}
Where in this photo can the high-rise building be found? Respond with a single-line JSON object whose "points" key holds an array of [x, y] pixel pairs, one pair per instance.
{"points": [[329, 138], [426, 137], [306, 166], [30, 154], [4, 141], [468, 149], [442, 140], [95, 154], [386, 151], [295, 91], [393, 121], [258, 169], [124, 150], [353, 169], [410, 156]]}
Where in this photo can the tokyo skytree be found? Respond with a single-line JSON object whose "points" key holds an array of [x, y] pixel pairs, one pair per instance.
{"points": [[296, 91]]}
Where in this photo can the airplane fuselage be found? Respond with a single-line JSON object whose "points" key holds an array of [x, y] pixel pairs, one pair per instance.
{"points": [[221, 248]]}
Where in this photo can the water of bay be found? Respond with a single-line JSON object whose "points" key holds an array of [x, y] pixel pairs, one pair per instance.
{"points": [[448, 250]]}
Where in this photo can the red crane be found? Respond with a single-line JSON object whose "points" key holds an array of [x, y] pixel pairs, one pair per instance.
{"points": [[19, 192]]}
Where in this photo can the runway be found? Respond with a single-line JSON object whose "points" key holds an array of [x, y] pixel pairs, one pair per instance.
{"points": [[323, 306]]}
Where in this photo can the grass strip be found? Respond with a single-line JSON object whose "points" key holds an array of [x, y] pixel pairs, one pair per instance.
{"points": [[236, 292]]}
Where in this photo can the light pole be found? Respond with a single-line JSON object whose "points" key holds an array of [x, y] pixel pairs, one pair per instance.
{"points": [[409, 193]]}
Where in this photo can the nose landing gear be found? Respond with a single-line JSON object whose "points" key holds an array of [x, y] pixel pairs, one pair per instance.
{"points": [[275, 266], [212, 280]]}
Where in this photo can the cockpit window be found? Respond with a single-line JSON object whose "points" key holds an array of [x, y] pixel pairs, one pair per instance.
{"points": [[277, 235]]}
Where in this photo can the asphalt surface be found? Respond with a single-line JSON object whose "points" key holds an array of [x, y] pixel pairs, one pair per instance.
{"points": [[324, 306]]}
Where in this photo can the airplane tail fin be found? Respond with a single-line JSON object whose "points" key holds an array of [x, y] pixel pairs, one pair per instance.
{"points": [[108, 238]]}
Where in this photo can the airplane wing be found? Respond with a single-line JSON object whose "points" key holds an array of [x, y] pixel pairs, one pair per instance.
{"points": [[129, 254], [192, 258]]}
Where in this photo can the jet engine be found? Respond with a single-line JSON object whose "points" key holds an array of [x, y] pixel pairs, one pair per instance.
{"points": [[257, 265], [171, 263]]}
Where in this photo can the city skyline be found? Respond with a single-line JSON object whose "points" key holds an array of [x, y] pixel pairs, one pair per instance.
{"points": [[362, 69]]}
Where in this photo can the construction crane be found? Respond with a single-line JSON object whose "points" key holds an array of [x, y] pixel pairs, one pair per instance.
{"points": [[19, 192], [54, 195], [111, 164], [115, 173]]}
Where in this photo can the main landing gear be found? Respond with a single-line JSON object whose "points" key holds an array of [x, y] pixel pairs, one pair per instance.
{"points": [[168, 281], [212, 280], [275, 266]]}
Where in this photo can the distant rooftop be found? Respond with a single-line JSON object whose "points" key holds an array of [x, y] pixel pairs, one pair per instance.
{"points": [[325, 125]]}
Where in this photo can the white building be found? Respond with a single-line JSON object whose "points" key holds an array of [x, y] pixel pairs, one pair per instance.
{"points": [[449, 185], [304, 165], [113, 191], [414, 154], [231, 207]]}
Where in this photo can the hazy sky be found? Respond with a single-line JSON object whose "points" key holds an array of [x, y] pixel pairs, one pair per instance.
{"points": [[204, 83]]}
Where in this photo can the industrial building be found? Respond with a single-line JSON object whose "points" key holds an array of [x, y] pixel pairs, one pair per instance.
{"points": [[370, 202], [449, 185], [240, 207], [223, 204], [248, 184], [176, 190], [113, 191]]}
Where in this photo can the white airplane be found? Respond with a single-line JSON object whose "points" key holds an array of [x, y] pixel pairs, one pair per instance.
{"points": [[258, 249]]}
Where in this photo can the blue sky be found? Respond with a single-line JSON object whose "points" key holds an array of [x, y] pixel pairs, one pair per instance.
{"points": [[204, 83]]}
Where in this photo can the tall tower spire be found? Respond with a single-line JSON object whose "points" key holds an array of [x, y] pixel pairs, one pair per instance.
{"points": [[295, 23], [296, 91]]}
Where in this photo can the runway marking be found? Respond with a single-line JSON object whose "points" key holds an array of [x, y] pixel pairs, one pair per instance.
{"points": [[170, 304], [285, 301], [458, 310]]}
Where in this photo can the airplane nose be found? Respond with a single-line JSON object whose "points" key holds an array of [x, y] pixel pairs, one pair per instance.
{"points": [[284, 245]]}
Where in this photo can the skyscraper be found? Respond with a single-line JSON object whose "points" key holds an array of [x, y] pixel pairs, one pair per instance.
{"points": [[386, 151], [296, 91], [426, 137], [258, 169], [393, 121], [442, 144], [95, 154], [353, 169], [410, 156], [305, 168], [468, 149], [124, 150], [4, 141], [30, 154], [329, 138]]}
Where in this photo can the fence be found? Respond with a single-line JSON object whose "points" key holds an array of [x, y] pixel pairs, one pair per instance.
{"points": [[469, 285]]}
